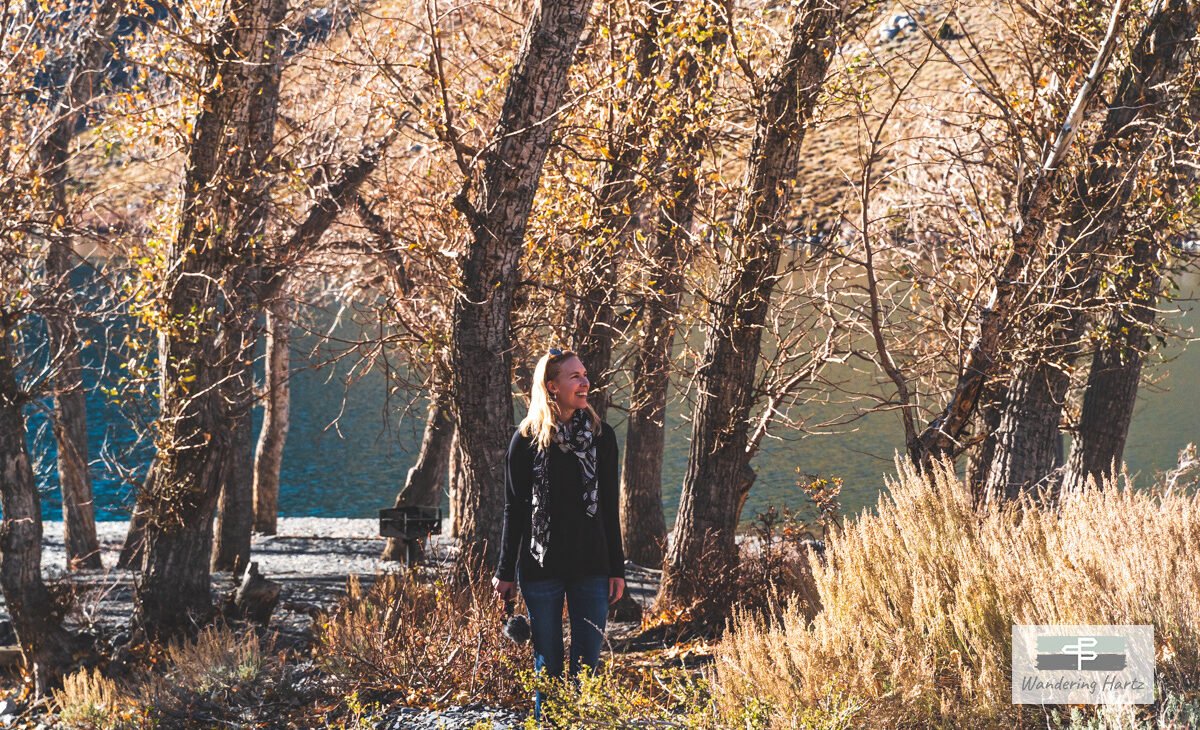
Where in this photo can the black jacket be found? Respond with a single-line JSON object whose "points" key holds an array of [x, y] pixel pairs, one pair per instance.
{"points": [[579, 545]]}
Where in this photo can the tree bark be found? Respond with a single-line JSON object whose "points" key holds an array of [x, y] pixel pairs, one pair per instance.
{"points": [[131, 549], [1029, 443], [70, 404], [268, 458], [594, 315], [643, 525], [481, 349], [1115, 374], [1108, 408], [986, 422], [595, 322], [702, 558], [206, 355], [45, 644], [70, 424], [423, 484]]}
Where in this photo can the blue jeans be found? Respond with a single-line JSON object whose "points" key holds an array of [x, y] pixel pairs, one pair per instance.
{"points": [[587, 604]]}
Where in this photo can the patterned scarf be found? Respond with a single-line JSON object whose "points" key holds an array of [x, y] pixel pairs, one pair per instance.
{"points": [[574, 435]]}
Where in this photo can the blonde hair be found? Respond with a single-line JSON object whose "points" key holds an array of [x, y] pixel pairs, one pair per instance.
{"points": [[542, 420]]}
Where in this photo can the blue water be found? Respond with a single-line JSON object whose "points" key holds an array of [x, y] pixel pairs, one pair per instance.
{"points": [[349, 459]]}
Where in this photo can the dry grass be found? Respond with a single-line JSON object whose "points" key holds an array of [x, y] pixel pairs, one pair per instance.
{"points": [[438, 643], [217, 658], [202, 681], [91, 700], [918, 602], [616, 697]]}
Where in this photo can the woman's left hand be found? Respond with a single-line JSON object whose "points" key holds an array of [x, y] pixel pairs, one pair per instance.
{"points": [[616, 589]]}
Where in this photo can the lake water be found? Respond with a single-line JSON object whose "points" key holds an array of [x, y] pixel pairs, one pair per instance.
{"points": [[348, 460]]}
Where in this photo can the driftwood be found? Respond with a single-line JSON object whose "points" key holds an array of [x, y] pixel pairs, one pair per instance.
{"points": [[255, 598]]}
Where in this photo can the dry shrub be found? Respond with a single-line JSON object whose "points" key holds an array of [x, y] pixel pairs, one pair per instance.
{"points": [[218, 658], [440, 642], [774, 567], [615, 697], [201, 680], [91, 700], [918, 602]]}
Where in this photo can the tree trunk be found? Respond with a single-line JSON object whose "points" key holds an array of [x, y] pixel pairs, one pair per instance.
{"points": [[595, 322], [45, 644], [643, 526], [201, 413], [70, 404], [235, 508], [1114, 376], [481, 350], [703, 555], [1123, 337], [1027, 445], [268, 458], [131, 549], [206, 360], [423, 485], [70, 425], [986, 422]]}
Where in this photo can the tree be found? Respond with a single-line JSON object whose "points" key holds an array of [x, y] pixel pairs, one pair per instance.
{"points": [[258, 505], [268, 454], [1028, 443], [34, 225], [496, 214], [684, 129], [616, 199], [703, 552], [210, 309], [86, 67], [37, 617], [425, 480], [946, 433], [1122, 335], [1115, 372]]}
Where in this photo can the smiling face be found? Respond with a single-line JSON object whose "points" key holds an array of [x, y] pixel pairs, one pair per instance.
{"points": [[569, 387]]}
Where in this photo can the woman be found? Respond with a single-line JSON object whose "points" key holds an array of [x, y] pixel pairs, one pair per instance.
{"points": [[562, 534]]}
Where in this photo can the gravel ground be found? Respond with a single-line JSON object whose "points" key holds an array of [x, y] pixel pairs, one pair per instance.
{"points": [[311, 557], [304, 546], [453, 718]]}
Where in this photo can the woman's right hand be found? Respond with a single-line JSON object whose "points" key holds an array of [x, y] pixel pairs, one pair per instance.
{"points": [[503, 588]]}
